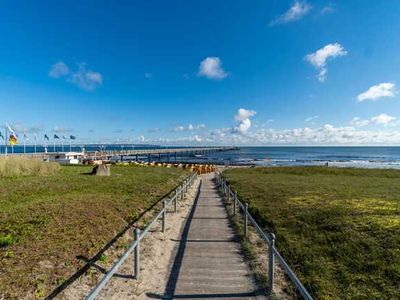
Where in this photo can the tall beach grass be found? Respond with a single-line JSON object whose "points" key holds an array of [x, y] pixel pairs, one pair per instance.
{"points": [[15, 166]]}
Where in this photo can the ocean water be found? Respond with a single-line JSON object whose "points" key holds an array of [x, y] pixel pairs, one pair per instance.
{"points": [[363, 157]]}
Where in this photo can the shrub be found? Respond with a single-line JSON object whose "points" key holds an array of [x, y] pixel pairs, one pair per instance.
{"points": [[6, 240]]}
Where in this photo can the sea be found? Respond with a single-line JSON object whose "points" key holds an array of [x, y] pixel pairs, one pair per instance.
{"points": [[360, 157]]}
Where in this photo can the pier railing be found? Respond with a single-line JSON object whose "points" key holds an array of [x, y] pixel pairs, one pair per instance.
{"points": [[269, 238], [177, 194]]}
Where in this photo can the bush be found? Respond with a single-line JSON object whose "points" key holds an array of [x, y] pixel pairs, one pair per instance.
{"points": [[14, 166], [6, 240]]}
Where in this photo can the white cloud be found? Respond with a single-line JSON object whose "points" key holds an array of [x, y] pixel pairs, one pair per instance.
{"points": [[196, 139], [28, 129], [385, 89], [320, 58], [190, 127], [309, 119], [382, 119], [59, 129], [85, 79], [196, 127], [211, 67], [243, 117], [327, 134], [244, 114], [327, 9], [58, 70], [358, 122], [297, 11], [179, 128]]}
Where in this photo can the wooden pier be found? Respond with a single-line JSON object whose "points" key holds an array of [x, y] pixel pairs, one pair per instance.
{"points": [[154, 154], [159, 154]]}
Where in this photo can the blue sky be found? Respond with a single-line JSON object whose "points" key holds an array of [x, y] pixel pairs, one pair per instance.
{"points": [[203, 72]]}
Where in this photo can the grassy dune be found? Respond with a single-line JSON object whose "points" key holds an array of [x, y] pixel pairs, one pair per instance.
{"points": [[47, 221], [14, 166], [338, 228]]}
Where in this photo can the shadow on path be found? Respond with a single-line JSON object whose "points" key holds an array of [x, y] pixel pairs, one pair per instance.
{"points": [[90, 262]]}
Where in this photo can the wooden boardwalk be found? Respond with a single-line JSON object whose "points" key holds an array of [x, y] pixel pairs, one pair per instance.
{"points": [[207, 263]]}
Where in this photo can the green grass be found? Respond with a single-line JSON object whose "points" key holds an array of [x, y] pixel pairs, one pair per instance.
{"points": [[47, 221], [15, 166], [339, 229]]}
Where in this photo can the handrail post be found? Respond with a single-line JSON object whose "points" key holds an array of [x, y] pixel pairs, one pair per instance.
{"points": [[246, 219], [271, 263], [229, 193], [234, 204], [137, 254], [175, 201], [164, 219], [225, 188]]}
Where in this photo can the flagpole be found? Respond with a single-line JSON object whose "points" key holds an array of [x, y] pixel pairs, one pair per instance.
{"points": [[54, 145], [6, 142], [70, 145], [24, 144], [35, 137]]}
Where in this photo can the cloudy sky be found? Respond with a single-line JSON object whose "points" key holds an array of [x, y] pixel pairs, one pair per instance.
{"points": [[268, 72]]}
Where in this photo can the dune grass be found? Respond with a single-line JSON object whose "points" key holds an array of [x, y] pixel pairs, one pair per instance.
{"points": [[14, 166], [338, 228], [48, 222]]}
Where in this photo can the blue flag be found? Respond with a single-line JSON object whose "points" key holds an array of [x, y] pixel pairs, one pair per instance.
{"points": [[1, 136], [46, 137], [72, 137], [56, 137]]}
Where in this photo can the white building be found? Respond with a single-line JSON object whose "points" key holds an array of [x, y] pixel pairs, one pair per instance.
{"points": [[66, 158]]}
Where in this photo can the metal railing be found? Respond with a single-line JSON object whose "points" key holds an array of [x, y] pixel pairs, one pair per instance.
{"points": [[268, 237], [178, 193]]}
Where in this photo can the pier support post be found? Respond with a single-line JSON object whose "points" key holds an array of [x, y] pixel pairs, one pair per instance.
{"points": [[137, 254], [271, 263]]}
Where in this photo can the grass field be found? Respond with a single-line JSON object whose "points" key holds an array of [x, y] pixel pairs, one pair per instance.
{"points": [[338, 228], [46, 221]]}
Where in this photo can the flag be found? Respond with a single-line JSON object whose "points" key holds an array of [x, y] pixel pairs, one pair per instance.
{"points": [[1, 136], [12, 139], [56, 137], [72, 137], [26, 137], [46, 137], [64, 138]]}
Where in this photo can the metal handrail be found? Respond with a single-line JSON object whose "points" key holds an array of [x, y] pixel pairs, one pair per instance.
{"points": [[268, 237], [179, 191]]}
